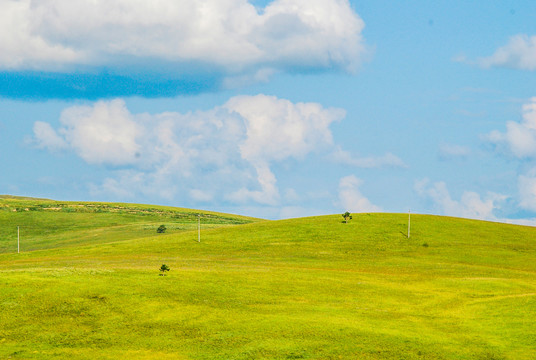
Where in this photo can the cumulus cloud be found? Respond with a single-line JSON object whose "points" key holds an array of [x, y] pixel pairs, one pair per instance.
{"points": [[180, 36], [224, 153], [520, 137], [102, 133], [351, 199], [278, 129], [471, 205], [518, 53]]}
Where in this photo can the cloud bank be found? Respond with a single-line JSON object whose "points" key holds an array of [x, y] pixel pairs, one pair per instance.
{"points": [[222, 154], [226, 42]]}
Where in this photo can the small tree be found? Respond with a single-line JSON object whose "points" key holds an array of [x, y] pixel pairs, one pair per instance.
{"points": [[163, 269], [161, 229], [346, 216]]}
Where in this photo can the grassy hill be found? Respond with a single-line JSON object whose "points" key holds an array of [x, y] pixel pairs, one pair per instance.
{"points": [[310, 288], [45, 224]]}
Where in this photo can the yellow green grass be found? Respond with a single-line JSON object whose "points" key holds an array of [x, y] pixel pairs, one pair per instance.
{"points": [[310, 288], [44, 224]]}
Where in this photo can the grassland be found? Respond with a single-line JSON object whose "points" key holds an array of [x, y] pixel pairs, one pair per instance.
{"points": [[46, 224], [311, 288]]}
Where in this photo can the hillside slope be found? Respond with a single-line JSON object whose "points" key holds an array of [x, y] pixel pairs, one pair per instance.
{"points": [[311, 288], [44, 224]]}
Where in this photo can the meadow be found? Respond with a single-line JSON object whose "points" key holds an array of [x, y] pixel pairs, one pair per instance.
{"points": [[87, 285]]}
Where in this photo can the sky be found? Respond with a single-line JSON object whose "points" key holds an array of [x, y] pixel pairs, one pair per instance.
{"points": [[274, 109]]}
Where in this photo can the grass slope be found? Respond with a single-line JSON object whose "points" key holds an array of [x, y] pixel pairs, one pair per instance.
{"points": [[311, 288], [45, 224]]}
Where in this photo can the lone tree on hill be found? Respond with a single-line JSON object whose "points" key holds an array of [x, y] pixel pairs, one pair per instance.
{"points": [[346, 216], [161, 229], [163, 269]]}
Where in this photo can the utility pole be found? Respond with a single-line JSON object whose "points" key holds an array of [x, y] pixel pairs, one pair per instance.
{"points": [[409, 221], [198, 227], [18, 240]]}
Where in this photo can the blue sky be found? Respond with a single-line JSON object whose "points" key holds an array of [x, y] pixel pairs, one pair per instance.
{"points": [[273, 109]]}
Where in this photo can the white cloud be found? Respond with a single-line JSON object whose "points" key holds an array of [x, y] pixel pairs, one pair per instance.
{"points": [[519, 53], [220, 154], [268, 193], [278, 129], [519, 140], [225, 154], [46, 137], [388, 160], [351, 199], [25, 48], [104, 133], [220, 35], [451, 151], [471, 205], [129, 183], [527, 190], [520, 137]]}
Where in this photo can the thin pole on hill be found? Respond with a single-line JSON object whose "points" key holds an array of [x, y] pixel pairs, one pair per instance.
{"points": [[198, 227], [18, 240], [409, 221]]}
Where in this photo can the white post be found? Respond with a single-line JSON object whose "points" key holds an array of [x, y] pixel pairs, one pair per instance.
{"points": [[409, 221], [198, 227], [18, 240]]}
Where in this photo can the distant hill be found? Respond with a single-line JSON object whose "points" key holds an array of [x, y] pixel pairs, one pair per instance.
{"points": [[13, 197], [47, 223]]}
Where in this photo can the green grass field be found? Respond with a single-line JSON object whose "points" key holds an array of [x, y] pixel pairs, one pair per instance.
{"points": [[87, 286]]}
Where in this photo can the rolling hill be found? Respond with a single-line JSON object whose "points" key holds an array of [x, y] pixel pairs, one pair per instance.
{"points": [[309, 288], [45, 224]]}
